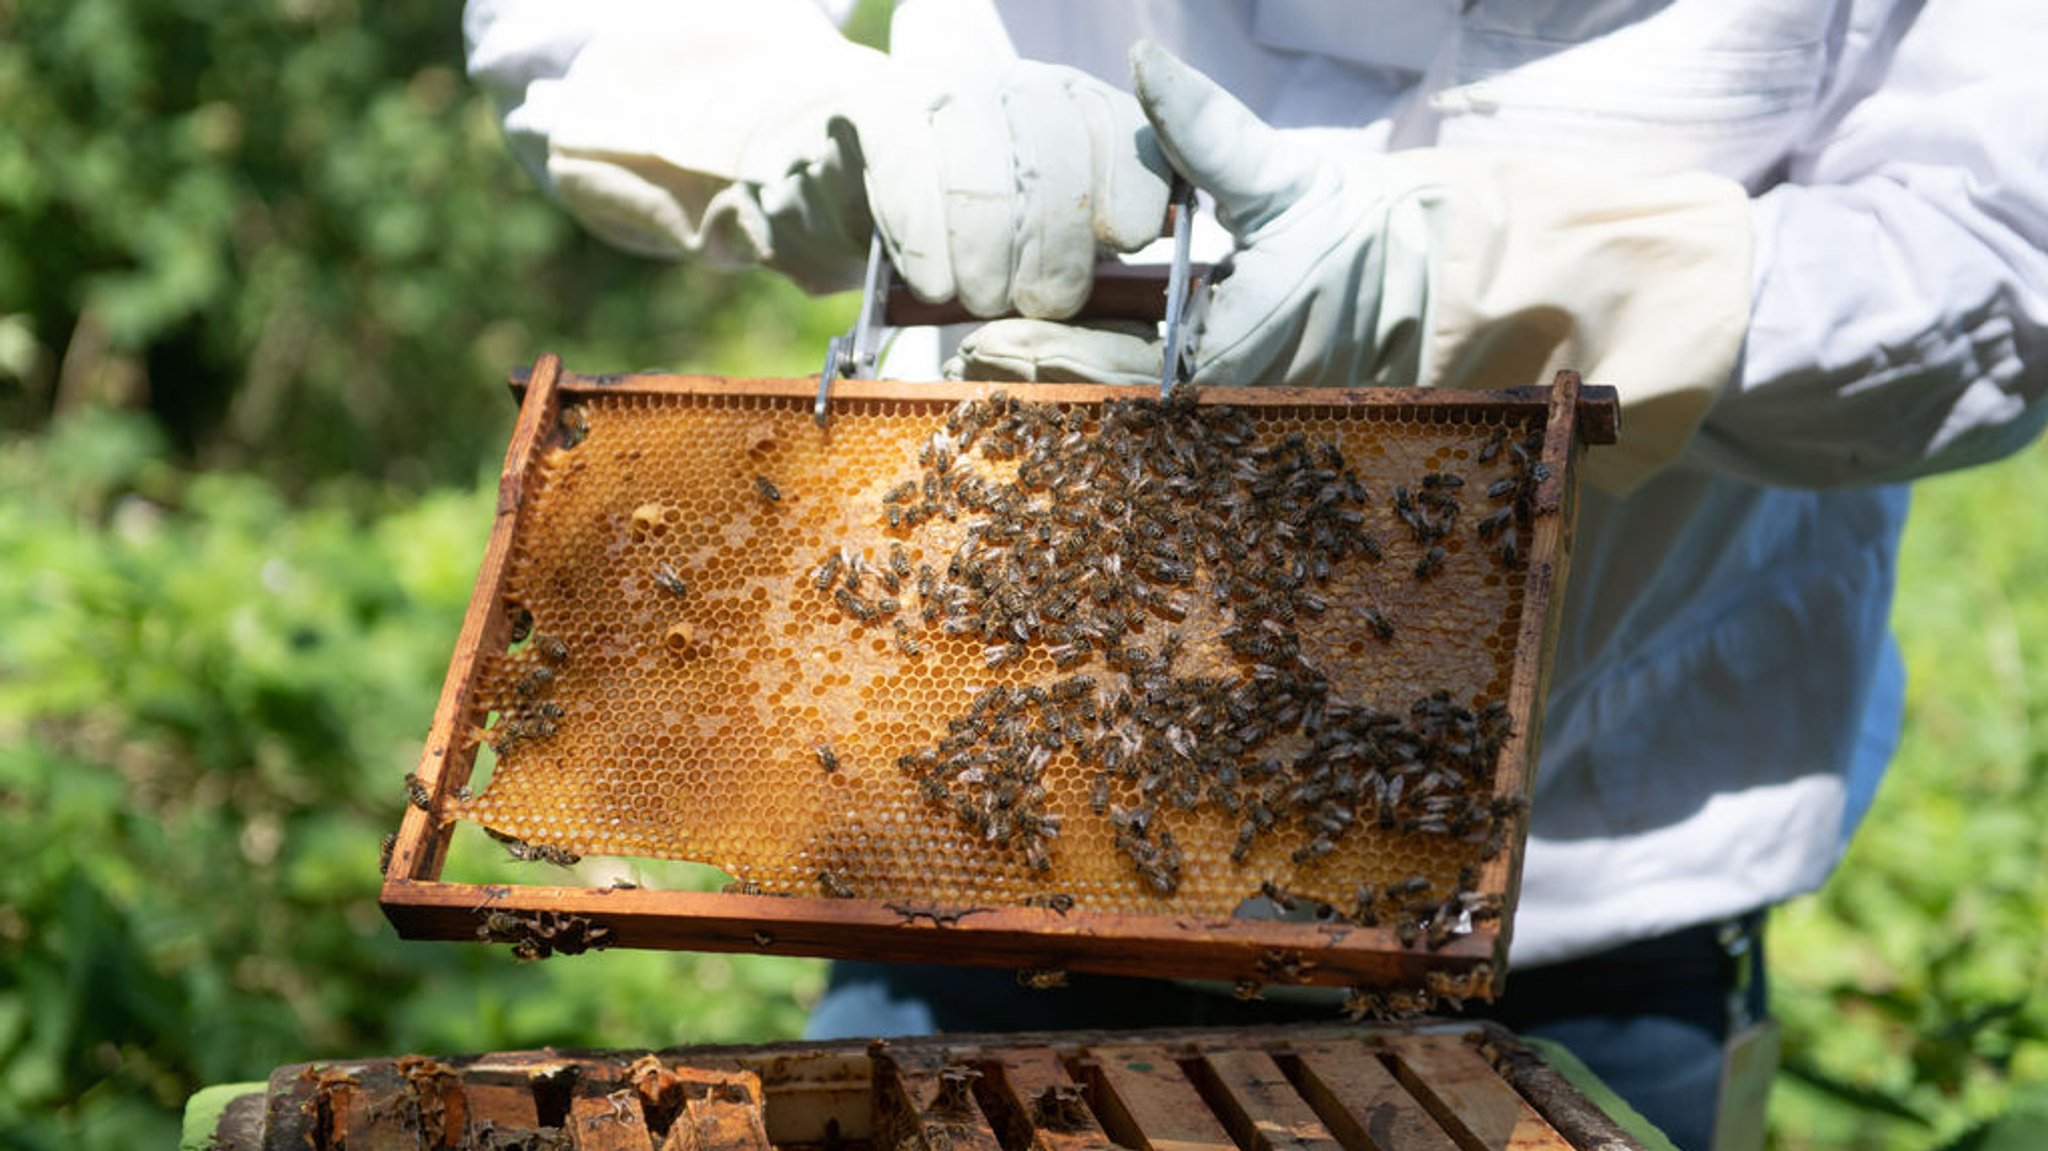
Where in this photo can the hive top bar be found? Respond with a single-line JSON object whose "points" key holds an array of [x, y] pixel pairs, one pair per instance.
{"points": [[1236, 655]]}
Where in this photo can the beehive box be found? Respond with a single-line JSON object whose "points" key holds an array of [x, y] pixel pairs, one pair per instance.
{"points": [[1238, 686], [1430, 1088]]}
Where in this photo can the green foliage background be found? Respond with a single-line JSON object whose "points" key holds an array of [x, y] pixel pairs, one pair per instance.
{"points": [[262, 269]]}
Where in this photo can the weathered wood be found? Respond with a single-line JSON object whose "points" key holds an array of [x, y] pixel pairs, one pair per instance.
{"points": [[1472, 1102], [502, 1107], [376, 1115], [1581, 1121], [1258, 1104], [609, 1122], [1361, 1101], [1147, 1102], [435, 1094], [925, 1102], [722, 1111], [1035, 1085], [1453, 1087], [292, 1109]]}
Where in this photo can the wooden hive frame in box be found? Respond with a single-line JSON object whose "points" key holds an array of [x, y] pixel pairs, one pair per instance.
{"points": [[1456, 1087], [504, 665]]}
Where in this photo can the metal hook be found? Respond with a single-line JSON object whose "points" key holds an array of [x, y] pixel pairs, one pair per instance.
{"points": [[853, 355], [1174, 368]]}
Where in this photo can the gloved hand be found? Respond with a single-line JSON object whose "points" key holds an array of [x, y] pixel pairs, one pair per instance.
{"points": [[998, 190], [1430, 267]]}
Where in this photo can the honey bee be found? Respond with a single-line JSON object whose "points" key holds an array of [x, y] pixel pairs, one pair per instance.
{"points": [[548, 853], [1442, 481], [1058, 901], [575, 425], [669, 580], [501, 927], [1248, 990], [1285, 966], [1493, 445], [416, 792], [767, 490], [534, 681], [1041, 978], [1413, 885], [833, 886], [1379, 623], [1431, 563], [855, 606], [1443, 926], [828, 760], [1361, 1005], [551, 648], [828, 572], [384, 853], [522, 624], [906, 642]]}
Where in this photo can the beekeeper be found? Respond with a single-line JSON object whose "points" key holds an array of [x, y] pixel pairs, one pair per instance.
{"points": [[1804, 239]]}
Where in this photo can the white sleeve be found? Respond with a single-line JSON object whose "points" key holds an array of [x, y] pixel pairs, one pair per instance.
{"points": [[678, 127], [1899, 321]]}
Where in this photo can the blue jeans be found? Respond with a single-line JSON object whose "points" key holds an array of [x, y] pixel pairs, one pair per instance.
{"points": [[1649, 1018]]}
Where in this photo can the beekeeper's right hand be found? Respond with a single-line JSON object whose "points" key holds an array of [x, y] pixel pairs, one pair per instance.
{"points": [[757, 133]]}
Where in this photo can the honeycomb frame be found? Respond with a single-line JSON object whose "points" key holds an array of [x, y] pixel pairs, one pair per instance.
{"points": [[1030, 932]]}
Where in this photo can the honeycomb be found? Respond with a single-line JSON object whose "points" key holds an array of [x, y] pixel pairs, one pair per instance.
{"points": [[1131, 657]]}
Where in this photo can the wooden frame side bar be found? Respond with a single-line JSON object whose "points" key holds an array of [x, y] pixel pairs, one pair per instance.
{"points": [[450, 749]]}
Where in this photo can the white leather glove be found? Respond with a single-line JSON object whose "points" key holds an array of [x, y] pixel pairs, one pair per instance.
{"points": [[1430, 267], [757, 133]]}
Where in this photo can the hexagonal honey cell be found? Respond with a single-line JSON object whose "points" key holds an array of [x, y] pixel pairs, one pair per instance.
{"points": [[1152, 657]]}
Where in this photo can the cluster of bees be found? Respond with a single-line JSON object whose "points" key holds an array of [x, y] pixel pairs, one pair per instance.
{"points": [[1504, 528], [540, 934], [1089, 551], [530, 715]]}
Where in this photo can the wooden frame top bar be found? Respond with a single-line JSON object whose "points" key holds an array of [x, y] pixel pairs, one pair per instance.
{"points": [[1596, 422]]}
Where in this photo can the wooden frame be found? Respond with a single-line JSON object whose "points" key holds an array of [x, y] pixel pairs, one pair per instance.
{"points": [[1438, 1086], [422, 906]]}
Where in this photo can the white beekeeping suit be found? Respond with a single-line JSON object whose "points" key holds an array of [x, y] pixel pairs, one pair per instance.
{"points": [[1805, 238]]}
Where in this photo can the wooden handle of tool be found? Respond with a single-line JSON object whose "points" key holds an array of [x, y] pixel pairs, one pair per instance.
{"points": [[1121, 292]]}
